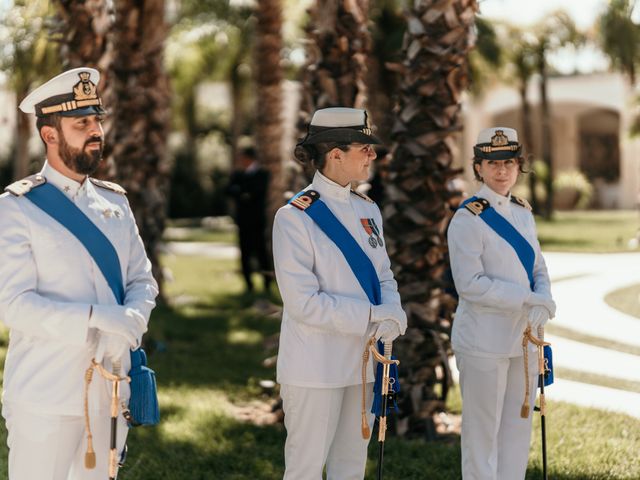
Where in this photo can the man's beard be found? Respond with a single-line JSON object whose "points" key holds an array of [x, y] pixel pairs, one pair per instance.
{"points": [[79, 160]]}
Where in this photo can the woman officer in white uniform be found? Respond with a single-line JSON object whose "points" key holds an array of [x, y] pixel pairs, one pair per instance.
{"points": [[328, 317], [496, 305]]}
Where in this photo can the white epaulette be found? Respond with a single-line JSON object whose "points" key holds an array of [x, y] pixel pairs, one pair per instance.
{"points": [[114, 187], [521, 201], [25, 185]]}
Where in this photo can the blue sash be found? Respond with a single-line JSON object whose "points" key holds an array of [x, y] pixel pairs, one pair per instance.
{"points": [[502, 227], [143, 404], [364, 272], [57, 205], [527, 257]]}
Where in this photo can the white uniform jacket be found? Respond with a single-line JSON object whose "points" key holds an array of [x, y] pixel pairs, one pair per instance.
{"points": [[325, 324], [491, 281], [48, 282]]}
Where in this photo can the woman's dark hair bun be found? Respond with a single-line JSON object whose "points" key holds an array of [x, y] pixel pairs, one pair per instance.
{"points": [[303, 154]]}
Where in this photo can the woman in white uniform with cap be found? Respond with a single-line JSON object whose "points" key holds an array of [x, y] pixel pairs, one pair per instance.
{"points": [[328, 318], [499, 298]]}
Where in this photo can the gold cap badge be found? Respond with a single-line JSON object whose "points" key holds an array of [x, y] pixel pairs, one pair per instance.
{"points": [[499, 139], [85, 89]]}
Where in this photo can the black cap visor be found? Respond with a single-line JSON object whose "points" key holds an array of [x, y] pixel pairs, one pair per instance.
{"points": [[487, 152], [83, 112], [340, 135]]}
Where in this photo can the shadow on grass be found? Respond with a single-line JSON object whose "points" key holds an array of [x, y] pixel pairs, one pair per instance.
{"points": [[220, 449], [215, 343], [205, 354]]}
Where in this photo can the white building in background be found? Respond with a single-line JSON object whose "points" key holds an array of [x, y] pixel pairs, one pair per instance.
{"points": [[591, 117]]}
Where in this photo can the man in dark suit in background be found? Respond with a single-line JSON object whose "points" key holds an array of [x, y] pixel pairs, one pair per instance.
{"points": [[248, 188]]}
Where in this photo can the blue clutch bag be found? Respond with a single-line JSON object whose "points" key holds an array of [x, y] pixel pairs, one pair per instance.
{"points": [[548, 365], [143, 404]]}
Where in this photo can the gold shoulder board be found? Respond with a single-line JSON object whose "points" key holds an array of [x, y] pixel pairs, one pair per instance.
{"points": [[521, 201], [114, 187], [25, 185], [478, 206], [305, 200], [362, 196]]}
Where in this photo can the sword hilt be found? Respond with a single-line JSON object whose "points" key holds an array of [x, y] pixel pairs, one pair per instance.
{"points": [[388, 347]]}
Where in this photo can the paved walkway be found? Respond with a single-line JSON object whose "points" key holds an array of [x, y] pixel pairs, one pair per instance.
{"points": [[596, 360], [595, 396], [579, 284]]}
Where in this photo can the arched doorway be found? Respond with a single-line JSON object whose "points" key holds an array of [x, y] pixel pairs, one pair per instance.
{"points": [[599, 154]]}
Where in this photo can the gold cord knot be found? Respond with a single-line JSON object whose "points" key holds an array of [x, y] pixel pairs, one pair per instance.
{"points": [[528, 336]]}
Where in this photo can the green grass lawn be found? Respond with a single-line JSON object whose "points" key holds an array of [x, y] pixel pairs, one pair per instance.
{"points": [[198, 234], [589, 231], [207, 352]]}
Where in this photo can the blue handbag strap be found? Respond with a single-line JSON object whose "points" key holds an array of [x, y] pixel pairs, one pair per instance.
{"points": [[57, 205], [504, 229], [358, 261]]}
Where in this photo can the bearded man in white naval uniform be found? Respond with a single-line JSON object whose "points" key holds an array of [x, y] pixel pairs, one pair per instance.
{"points": [[58, 306]]}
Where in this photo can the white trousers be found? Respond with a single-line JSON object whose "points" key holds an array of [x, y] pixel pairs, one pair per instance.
{"points": [[324, 427], [52, 447], [495, 439]]}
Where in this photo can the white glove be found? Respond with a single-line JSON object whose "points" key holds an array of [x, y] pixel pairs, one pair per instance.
{"points": [[536, 299], [389, 311], [538, 316], [111, 346], [122, 321], [387, 331]]}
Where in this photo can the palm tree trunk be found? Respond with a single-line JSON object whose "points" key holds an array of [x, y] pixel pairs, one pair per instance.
{"points": [[139, 99], [235, 128], [23, 134], [269, 129], [547, 155], [420, 204], [84, 29], [339, 43], [527, 137], [337, 55]]}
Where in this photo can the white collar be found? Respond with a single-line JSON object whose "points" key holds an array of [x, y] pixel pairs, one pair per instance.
{"points": [[493, 197], [329, 188], [66, 185]]}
